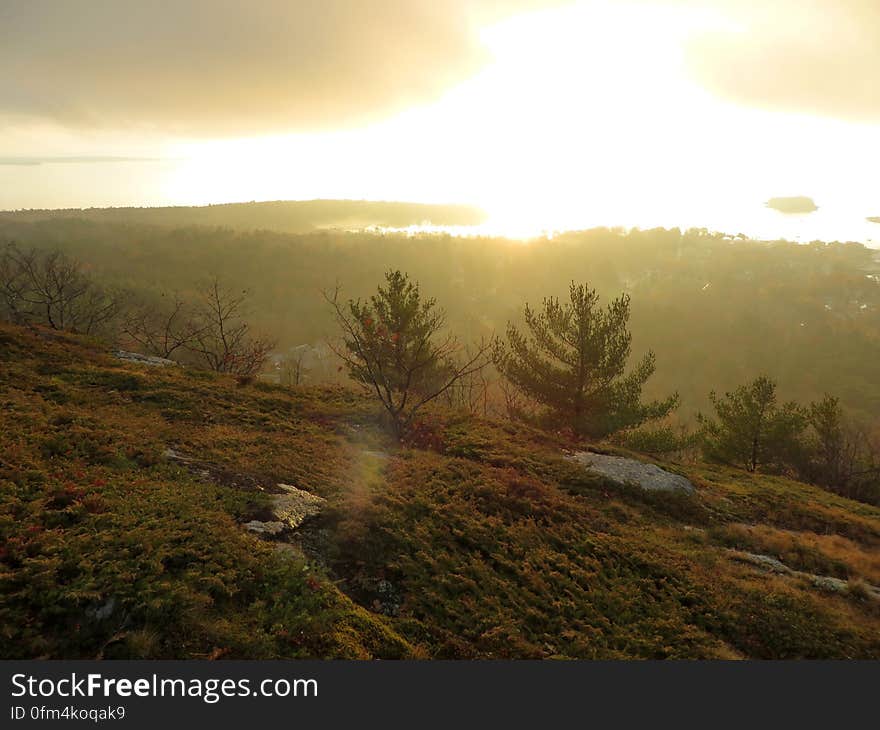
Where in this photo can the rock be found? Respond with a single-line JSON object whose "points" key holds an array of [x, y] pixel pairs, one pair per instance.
{"points": [[763, 561], [173, 455], [104, 612], [381, 455], [629, 471], [289, 510], [827, 583], [291, 552], [837, 585], [295, 506], [823, 582], [698, 534], [265, 529], [152, 361]]}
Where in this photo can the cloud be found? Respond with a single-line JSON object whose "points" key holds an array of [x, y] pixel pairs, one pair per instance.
{"points": [[231, 67], [819, 57], [228, 67]]}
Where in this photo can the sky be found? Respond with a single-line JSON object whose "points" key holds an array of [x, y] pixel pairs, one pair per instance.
{"points": [[547, 113]]}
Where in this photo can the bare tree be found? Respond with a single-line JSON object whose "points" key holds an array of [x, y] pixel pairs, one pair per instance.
{"points": [[223, 339], [293, 369], [52, 289], [392, 344], [96, 308], [163, 332], [854, 470], [517, 405], [13, 286], [472, 392]]}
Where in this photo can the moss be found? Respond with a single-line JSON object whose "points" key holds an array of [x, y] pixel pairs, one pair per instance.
{"points": [[481, 542], [109, 551]]}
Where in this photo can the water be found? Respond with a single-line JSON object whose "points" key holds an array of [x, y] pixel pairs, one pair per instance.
{"points": [[826, 224]]}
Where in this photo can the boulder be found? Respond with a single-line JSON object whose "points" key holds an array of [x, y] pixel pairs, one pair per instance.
{"points": [[625, 471]]}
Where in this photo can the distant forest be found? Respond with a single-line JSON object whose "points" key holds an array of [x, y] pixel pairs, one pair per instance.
{"points": [[717, 311], [287, 216]]}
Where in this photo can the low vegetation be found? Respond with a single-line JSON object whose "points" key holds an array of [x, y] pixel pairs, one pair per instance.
{"points": [[475, 538], [815, 443]]}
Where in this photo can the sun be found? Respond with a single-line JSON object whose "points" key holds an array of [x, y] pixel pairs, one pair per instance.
{"points": [[584, 115]]}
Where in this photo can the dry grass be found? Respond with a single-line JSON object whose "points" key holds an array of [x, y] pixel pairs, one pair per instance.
{"points": [[489, 544]]}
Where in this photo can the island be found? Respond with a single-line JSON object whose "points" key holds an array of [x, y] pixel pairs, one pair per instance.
{"points": [[795, 204]]}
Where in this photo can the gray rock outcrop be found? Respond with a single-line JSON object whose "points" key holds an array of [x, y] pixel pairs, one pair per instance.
{"points": [[295, 506], [823, 582], [625, 471], [289, 509], [152, 361]]}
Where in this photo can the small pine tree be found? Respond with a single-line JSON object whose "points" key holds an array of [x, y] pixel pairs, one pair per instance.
{"points": [[572, 361], [752, 430], [392, 344], [830, 448]]}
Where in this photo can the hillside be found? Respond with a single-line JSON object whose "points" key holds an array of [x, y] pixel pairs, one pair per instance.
{"points": [[125, 489], [290, 216]]}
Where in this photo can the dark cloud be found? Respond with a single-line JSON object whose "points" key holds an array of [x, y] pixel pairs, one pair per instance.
{"points": [[817, 57], [228, 66]]}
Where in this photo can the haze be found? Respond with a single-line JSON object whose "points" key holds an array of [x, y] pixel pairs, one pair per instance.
{"points": [[549, 115]]}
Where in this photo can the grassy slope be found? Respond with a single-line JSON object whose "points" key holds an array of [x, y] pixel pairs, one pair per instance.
{"points": [[487, 545]]}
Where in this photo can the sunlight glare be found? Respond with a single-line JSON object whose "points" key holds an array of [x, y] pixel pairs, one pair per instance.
{"points": [[585, 116]]}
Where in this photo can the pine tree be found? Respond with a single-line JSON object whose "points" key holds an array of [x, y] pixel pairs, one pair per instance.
{"points": [[572, 361], [394, 345], [752, 430], [831, 450]]}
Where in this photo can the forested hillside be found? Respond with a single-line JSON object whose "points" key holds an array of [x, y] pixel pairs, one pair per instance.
{"points": [[717, 312], [290, 216]]}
